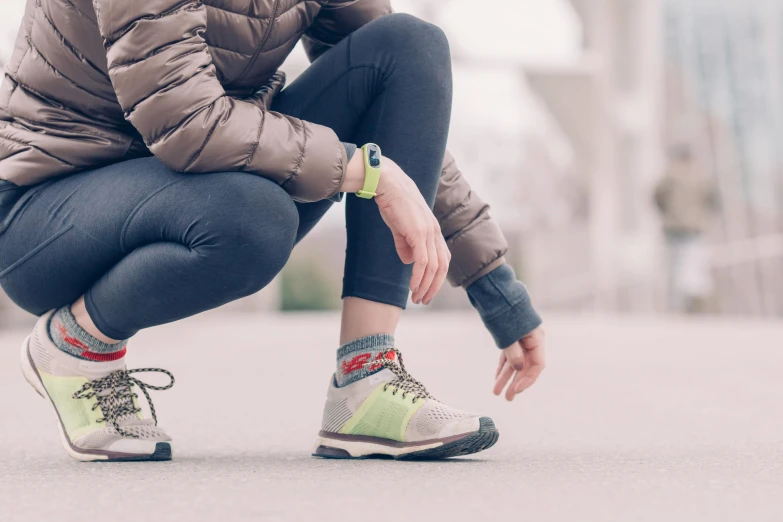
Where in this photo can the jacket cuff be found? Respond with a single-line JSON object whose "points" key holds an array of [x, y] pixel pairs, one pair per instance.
{"points": [[350, 150], [319, 170], [504, 306]]}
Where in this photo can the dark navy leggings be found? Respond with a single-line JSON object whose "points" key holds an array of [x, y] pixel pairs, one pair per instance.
{"points": [[147, 245]]}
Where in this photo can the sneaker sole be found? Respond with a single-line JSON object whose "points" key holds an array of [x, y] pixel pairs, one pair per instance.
{"points": [[162, 449], [337, 446]]}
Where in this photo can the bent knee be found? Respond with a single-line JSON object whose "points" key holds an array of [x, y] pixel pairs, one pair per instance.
{"points": [[413, 38], [249, 233]]}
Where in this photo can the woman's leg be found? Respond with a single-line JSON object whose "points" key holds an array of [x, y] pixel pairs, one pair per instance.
{"points": [[388, 83], [146, 245]]}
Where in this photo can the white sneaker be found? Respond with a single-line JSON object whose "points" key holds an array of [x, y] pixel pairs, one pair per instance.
{"points": [[389, 413], [97, 414]]}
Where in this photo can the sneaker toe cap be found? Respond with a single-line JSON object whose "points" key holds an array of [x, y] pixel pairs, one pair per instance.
{"points": [[133, 446], [468, 424]]}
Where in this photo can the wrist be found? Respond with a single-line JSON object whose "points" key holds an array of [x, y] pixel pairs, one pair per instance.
{"points": [[354, 174], [387, 183]]}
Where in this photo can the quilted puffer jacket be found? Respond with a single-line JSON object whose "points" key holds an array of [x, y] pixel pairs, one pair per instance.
{"points": [[94, 82]]}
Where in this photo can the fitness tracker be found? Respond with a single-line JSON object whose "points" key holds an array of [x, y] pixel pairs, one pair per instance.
{"points": [[372, 170]]}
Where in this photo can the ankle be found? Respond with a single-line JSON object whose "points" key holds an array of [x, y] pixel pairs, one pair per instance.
{"points": [[362, 357], [71, 338], [83, 319], [362, 318]]}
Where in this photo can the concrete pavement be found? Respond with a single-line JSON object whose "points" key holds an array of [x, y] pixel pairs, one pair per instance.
{"points": [[635, 420]]}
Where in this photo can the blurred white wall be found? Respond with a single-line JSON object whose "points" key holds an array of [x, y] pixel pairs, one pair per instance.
{"points": [[609, 103], [10, 15]]}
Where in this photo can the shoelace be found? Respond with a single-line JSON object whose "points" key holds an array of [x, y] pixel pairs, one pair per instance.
{"points": [[114, 395], [403, 380]]}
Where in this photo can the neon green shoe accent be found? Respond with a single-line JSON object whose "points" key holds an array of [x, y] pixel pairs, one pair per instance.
{"points": [[383, 414], [77, 415]]}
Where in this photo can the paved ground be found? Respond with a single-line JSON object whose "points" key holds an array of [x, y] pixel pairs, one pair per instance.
{"points": [[635, 420]]}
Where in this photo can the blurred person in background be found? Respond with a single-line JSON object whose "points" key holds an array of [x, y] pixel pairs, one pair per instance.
{"points": [[153, 167], [688, 200]]}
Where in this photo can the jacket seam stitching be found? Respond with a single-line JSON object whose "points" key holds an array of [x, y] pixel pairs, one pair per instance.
{"points": [[300, 158], [258, 141], [30, 124], [479, 221], [462, 204], [265, 51], [479, 269], [47, 63], [82, 13], [264, 39], [178, 124], [110, 40], [94, 118], [215, 46], [216, 8], [49, 154], [197, 154], [157, 51], [70, 46]]}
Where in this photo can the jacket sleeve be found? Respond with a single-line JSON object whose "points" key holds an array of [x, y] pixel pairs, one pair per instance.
{"points": [[339, 18], [475, 241], [167, 85]]}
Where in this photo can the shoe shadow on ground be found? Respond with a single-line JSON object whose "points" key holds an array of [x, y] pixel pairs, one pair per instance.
{"points": [[304, 460]]}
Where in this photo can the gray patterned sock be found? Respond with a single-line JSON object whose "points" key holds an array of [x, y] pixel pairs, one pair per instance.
{"points": [[356, 359], [72, 339]]}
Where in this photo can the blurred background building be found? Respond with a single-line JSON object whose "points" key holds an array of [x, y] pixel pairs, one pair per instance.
{"points": [[566, 115]]}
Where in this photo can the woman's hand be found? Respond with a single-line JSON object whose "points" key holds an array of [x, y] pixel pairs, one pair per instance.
{"points": [[525, 360], [416, 232]]}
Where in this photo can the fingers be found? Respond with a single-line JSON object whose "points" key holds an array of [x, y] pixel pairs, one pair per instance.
{"points": [[417, 235], [404, 250], [501, 363], [505, 375], [429, 271], [420, 260], [526, 359], [515, 357], [525, 378], [535, 362], [444, 258]]}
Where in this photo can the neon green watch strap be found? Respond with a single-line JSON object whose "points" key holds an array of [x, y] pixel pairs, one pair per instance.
{"points": [[372, 170]]}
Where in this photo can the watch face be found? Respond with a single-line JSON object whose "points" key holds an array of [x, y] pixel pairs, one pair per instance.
{"points": [[374, 156]]}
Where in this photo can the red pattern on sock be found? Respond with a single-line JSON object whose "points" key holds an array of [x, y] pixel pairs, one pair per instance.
{"points": [[86, 353], [68, 339], [357, 363]]}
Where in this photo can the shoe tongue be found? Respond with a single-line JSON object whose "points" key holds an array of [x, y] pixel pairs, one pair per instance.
{"points": [[384, 375], [132, 420]]}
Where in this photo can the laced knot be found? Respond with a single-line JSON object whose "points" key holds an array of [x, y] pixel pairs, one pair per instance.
{"points": [[403, 380], [114, 396]]}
